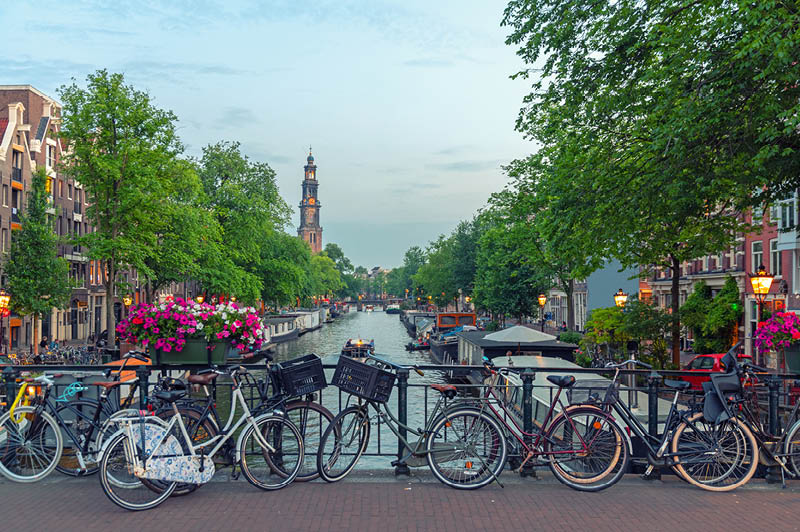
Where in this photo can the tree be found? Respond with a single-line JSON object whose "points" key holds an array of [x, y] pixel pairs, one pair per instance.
{"points": [[713, 320], [606, 327], [336, 254], [285, 268], [436, 276], [123, 150], [673, 118], [325, 278], [649, 326], [37, 278]]}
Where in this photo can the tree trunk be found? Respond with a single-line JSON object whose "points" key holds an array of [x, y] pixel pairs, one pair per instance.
{"points": [[110, 321], [570, 290], [35, 343], [676, 318]]}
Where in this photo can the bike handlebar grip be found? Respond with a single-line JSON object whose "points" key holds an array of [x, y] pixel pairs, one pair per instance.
{"points": [[756, 368], [137, 356], [419, 372]]}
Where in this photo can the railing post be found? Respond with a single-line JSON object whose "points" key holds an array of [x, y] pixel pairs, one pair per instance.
{"points": [[773, 384], [402, 416], [527, 418], [10, 376], [652, 415], [143, 374]]}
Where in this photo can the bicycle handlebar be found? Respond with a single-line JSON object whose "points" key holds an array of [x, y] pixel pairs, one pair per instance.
{"points": [[629, 361], [748, 366]]}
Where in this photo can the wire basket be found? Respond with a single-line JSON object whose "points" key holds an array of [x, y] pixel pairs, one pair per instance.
{"points": [[363, 380], [302, 376], [593, 392]]}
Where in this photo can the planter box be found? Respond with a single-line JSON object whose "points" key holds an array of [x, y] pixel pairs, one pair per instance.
{"points": [[196, 351]]}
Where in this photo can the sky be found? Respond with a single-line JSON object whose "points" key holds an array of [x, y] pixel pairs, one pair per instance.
{"points": [[408, 105]]}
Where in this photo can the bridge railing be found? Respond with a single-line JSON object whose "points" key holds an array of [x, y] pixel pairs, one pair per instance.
{"points": [[778, 394]]}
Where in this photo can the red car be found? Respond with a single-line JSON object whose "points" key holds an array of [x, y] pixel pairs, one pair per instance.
{"points": [[702, 365]]}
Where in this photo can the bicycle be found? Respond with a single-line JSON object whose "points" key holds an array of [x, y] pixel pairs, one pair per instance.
{"points": [[302, 377], [702, 449], [143, 462], [460, 435]]}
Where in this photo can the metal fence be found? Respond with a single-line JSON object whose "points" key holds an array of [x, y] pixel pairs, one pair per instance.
{"points": [[778, 394]]}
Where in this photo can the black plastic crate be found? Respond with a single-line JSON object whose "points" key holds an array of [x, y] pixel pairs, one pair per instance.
{"points": [[363, 380], [593, 391], [302, 376]]}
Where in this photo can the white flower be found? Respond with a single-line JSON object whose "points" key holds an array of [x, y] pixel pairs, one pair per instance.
{"points": [[200, 326], [225, 316]]}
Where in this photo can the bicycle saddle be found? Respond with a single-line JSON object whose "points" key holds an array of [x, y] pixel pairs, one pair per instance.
{"points": [[448, 390], [170, 396], [679, 385], [562, 381], [204, 379]]}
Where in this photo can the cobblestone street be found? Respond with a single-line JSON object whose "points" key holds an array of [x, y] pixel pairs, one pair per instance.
{"points": [[384, 504]]}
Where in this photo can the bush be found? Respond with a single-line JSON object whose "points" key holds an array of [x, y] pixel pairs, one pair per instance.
{"points": [[583, 359], [493, 326], [571, 337]]}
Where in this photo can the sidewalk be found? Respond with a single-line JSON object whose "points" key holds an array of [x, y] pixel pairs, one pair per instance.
{"points": [[381, 502]]}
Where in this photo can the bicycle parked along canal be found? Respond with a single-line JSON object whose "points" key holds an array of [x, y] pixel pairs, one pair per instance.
{"points": [[144, 462], [464, 447]]}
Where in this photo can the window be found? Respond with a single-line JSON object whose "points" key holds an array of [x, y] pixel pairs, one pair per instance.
{"points": [[775, 257], [5, 239], [60, 188], [5, 195], [758, 214], [51, 156], [773, 214], [787, 215], [757, 254], [69, 191]]}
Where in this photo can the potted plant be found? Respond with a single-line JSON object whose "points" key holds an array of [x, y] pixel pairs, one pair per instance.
{"points": [[781, 333], [187, 332]]}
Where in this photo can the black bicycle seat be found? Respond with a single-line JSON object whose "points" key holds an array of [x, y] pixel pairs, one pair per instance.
{"points": [[170, 396], [678, 385], [562, 381]]}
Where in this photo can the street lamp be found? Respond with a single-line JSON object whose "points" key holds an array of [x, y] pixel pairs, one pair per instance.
{"points": [[127, 300], [542, 302], [620, 298], [199, 298], [762, 282]]}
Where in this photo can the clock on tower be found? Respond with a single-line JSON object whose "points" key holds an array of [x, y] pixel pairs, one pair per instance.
{"points": [[309, 229]]}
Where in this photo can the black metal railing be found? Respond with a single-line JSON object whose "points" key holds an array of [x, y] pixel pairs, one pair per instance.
{"points": [[778, 394]]}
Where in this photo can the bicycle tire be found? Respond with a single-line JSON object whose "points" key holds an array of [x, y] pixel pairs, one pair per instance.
{"points": [[733, 474], [14, 453], [87, 408], [349, 428], [601, 467], [113, 465], [271, 427], [310, 418], [791, 448], [450, 462]]}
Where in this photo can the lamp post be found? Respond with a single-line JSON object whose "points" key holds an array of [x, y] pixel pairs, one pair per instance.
{"points": [[127, 301], [620, 298], [761, 282], [199, 298], [5, 302], [542, 302]]}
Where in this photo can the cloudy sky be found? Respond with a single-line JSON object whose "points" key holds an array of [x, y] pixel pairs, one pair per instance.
{"points": [[408, 104]]}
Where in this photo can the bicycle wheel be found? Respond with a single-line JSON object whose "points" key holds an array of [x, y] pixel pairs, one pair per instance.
{"points": [[791, 448], [718, 457], [30, 449], [587, 449], [311, 419], [343, 443], [466, 449], [120, 484], [271, 469], [79, 418]]}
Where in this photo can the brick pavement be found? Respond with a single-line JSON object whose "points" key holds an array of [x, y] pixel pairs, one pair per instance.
{"points": [[417, 504]]}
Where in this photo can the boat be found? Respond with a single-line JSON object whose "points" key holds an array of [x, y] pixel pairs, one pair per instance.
{"points": [[369, 308], [444, 344], [358, 348], [393, 308], [282, 328], [418, 345]]}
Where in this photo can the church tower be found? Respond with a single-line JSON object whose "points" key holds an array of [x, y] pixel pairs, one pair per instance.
{"points": [[309, 229]]}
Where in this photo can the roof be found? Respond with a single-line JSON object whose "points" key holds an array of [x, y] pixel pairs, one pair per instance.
{"points": [[477, 338], [28, 88], [42, 129], [279, 320]]}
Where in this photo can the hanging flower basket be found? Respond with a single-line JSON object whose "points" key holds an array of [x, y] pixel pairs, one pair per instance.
{"points": [[781, 333], [186, 332]]}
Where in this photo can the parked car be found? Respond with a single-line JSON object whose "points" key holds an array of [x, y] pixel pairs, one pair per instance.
{"points": [[703, 365]]}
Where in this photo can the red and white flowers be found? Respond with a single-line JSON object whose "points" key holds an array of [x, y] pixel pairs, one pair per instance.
{"points": [[168, 325]]}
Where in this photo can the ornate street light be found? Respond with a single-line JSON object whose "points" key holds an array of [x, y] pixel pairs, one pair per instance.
{"points": [[620, 298], [5, 302], [761, 282], [127, 300], [199, 298], [542, 302]]}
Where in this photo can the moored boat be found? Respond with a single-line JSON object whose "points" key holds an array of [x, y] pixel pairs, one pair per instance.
{"points": [[393, 308], [358, 348], [418, 345]]}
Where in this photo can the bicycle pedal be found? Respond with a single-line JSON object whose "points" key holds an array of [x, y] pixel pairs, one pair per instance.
{"points": [[395, 463]]}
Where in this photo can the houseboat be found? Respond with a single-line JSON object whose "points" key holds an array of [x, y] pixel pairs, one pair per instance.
{"points": [[444, 343], [369, 308], [282, 328], [393, 308], [410, 318]]}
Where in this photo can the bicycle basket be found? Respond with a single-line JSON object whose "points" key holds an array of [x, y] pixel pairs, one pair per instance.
{"points": [[590, 391], [302, 376], [363, 380]]}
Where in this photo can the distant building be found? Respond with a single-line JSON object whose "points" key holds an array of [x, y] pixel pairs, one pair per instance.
{"points": [[309, 229]]}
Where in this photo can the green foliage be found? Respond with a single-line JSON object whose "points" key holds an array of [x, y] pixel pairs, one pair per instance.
{"points": [[37, 279], [583, 359], [713, 320], [607, 328], [123, 150], [284, 269], [650, 327], [571, 337], [336, 254], [324, 279]]}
